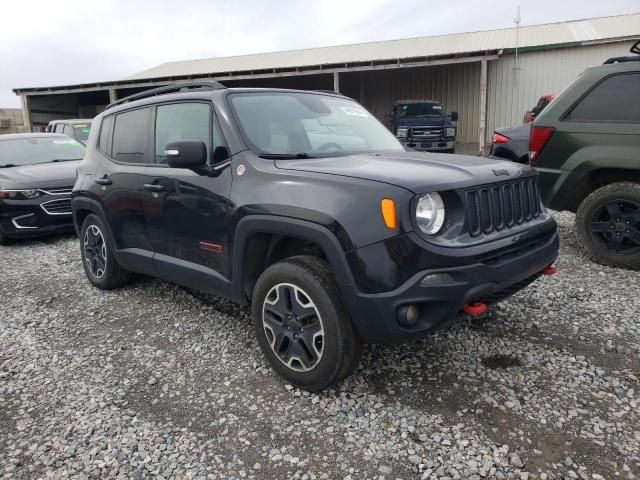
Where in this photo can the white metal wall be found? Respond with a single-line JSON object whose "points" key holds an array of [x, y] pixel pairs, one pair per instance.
{"points": [[539, 73], [456, 86]]}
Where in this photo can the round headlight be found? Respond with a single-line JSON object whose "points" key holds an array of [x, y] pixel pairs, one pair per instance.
{"points": [[430, 213]]}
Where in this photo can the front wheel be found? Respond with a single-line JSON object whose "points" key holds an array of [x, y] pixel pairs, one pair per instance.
{"points": [[302, 324], [98, 259], [608, 224]]}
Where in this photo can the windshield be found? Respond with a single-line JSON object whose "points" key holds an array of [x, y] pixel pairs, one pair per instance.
{"points": [[293, 123], [81, 131], [31, 150], [419, 110]]}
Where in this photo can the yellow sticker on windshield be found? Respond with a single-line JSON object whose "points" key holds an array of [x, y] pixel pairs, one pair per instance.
{"points": [[81, 125]]}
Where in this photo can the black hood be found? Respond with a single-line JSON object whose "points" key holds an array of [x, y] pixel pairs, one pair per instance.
{"points": [[44, 175], [416, 171]]}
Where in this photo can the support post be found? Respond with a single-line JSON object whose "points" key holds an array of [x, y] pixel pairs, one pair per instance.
{"points": [[113, 96], [336, 82], [483, 106], [26, 114]]}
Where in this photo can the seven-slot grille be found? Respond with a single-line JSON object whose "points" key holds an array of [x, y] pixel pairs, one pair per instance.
{"points": [[501, 206], [426, 132], [57, 207]]}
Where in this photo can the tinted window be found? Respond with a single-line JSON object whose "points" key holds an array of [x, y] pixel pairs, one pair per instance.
{"points": [[68, 130], [131, 136], [182, 121], [105, 135], [45, 149], [419, 110], [616, 99]]}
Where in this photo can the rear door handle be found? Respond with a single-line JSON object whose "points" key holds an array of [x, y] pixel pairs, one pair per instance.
{"points": [[153, 187], [103, 181]]}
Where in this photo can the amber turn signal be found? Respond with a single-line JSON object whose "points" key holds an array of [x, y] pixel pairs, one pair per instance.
{"points": [[388, 209]]}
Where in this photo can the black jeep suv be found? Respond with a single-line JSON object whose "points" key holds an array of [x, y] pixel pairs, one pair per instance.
{"points": [[304, 206]]}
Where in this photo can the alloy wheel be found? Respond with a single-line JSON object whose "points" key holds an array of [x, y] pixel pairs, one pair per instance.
{"points": [[616, 226], [293, 327], [95, 251]]}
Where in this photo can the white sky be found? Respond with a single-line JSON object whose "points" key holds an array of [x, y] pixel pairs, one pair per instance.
{"points": [[47, 43]]}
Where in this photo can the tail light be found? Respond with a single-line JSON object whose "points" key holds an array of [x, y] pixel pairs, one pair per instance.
{"points": [[497, 138], [537, 140]]}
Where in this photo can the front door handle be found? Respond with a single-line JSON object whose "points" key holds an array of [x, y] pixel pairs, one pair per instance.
{"points": [[153, 187], [103, 181]]}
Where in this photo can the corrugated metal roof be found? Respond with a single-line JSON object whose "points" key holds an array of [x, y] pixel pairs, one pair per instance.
{"points": [[593, 29]]}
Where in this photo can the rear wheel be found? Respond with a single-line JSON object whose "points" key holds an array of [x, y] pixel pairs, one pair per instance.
{"points": [[608, 224], [302, 325], [98, 259]]}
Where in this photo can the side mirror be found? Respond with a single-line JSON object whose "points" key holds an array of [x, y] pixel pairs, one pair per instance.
{"points": [[186, 154], [454, 116]]}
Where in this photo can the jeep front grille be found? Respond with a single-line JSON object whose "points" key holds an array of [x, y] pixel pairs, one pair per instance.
{"points": [[57, 207], [492, 208]]}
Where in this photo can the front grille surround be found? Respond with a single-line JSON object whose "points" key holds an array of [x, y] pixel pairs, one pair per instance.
{"points": [[56, 191], [61, 206], [499, 207]]}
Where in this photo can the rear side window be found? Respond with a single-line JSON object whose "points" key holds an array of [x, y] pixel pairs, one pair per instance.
{"points": [[68, 130], [182, 121], [131, 136], [616, 99], [104, 142]]}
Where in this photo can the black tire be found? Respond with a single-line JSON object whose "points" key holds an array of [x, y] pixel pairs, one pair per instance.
{"points": [[110, 274], [341, 345], [608, 225], [4, 240]]}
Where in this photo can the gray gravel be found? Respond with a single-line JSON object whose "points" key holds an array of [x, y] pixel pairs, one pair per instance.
{"points": [[155, 381]]}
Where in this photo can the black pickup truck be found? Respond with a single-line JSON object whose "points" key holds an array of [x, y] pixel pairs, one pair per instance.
{"points": [[306, 207]]}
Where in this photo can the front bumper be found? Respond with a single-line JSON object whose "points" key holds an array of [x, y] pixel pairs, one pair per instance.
{"points": [[430, 146], [489, 279], [28, 218]]}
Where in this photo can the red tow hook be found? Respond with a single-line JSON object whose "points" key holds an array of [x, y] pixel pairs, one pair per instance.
{"points": [[550, 270], [476, 308]]}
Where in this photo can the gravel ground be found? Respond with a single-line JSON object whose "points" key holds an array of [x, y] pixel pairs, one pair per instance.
{"points": [[155, 381]]}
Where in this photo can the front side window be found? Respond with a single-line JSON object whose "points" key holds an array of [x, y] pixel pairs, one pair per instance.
{"points": [[181, 121], [131, 136], [616, 99], [32, 150], [291, 123]]}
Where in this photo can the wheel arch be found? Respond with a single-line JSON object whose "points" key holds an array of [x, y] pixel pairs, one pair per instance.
{"points": [[271, 239], [598, 178], [82, 208]]}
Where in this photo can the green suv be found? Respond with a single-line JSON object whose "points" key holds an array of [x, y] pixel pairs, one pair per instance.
{"points": [[586, 147]]}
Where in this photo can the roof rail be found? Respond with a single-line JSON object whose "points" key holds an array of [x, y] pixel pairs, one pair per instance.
{"points": [[635, 48], [175, 87]]}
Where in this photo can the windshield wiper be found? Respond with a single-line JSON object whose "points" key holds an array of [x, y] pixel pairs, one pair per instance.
{"points": [[7, 165], [62, 160], [284, 156]]}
